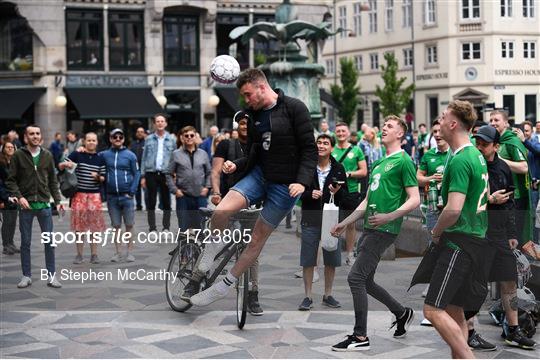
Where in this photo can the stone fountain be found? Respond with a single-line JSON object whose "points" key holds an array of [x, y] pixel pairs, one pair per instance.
{"points": [[297, 75]]}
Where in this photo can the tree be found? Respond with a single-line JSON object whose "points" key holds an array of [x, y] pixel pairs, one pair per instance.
{"points": [[393, 99], [346, 95]]}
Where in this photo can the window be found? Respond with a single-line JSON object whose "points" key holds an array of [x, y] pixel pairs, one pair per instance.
{"points": [[529, 49], [429, 12], [225, 23], [431, 55], [357, 19], [406, 10], [408, 57], [470, 9], [374, 60], [506, 8], [389, 15], [330, 67], [530, 108], [507, 49], [433, 107], [509, 105], [181, 42], [358, 62], [126, 40], [471, 51], [343, 20], [372, 14], [84, 32], [528, 8], [15, 44]]}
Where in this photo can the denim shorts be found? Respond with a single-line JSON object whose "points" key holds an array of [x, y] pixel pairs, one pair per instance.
{"points": [[277, 202], [311, 238], [121, 206]]}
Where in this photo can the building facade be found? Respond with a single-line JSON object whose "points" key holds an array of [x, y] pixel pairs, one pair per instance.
{"points": [[482, 51], [98, 64]]}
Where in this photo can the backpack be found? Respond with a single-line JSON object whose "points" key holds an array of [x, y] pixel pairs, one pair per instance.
{"points": [[68, 183]]}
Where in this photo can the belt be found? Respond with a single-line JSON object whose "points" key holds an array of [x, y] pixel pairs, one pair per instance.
{"points": [[158, 173]]}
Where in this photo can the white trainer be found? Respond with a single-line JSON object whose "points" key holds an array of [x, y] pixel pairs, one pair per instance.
{"points": [[208, 255], [208, 296], [54, 283], [130, 258], [25, 282]]}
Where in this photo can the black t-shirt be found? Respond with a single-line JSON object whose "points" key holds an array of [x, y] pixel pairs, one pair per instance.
{"points": [[262, 124], [222, 151]]}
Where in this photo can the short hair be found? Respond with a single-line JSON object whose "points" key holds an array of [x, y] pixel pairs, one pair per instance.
{"points": [[400, 122], [527, 122], [326, 136], [31, 125], [185, 129], [504, 114], [423, 125], [71, 132], [341, 123], [90, 133], [465, 113], [436, 122], [165, 116], [250, 76]]}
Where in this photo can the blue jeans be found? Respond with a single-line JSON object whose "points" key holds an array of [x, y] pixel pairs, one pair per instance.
{"points": [[534, 204], [277, 202], [121, 206], [187, 211], [26, 218]]}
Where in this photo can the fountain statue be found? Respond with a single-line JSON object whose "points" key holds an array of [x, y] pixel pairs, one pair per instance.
{"points": [[297, 75]]}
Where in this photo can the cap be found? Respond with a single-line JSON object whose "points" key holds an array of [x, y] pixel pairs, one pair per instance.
{"points": [[116, 131], [488, 133], [240, 115]]}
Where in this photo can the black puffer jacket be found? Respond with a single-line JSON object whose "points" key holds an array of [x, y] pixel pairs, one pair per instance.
{"points": [[292, 157]]}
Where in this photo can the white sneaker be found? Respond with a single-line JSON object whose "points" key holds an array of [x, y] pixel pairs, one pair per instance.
{"points": [[426, 322], [53, 282], [208, 255], [25, 282], [299, 274], [315, 276], [424, 293], [208, 296], [116, 258], [130, 258], [350, 259]]}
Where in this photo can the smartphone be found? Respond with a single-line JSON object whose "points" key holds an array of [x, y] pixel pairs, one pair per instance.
{"points": [[336, 182]]}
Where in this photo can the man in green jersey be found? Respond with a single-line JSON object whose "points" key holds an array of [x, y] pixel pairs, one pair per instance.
{"points": [[353, 160], [460, 233], [514, 153], [392, 193]]}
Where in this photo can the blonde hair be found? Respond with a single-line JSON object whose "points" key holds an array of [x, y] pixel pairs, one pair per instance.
{"points": [[400, 122], [374, 142]]}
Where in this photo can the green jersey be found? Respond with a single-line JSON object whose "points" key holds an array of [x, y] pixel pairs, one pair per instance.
{"points": [[434, 161], [510, 152], [38, 205], [388, 181], [350, 163], [467, 173]]}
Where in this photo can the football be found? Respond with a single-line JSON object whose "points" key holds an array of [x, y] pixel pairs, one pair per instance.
{"points": [[225, 69]]}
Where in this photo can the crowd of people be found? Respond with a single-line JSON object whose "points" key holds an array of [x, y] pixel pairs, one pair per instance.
{"points": [[476, 182]]}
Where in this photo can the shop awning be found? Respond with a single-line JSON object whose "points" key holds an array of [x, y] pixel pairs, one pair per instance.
{"points": [[326, 97], [230, 95], [113, 103], [14, 102]]}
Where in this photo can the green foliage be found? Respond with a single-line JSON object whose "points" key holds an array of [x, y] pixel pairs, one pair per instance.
{"points": [[260, 59], [346, 95], [393, 99]]}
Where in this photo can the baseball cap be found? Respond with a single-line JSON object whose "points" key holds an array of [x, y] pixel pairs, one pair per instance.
{"points": [[488, 133], [116, 131]]}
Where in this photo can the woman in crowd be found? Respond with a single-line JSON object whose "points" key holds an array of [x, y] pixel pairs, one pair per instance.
{"points": [[375, 151], [86, 203], [8, 209], [215, 142]]}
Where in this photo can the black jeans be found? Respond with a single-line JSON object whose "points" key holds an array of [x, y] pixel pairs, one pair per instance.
{"points": [[9, 223], [155, 181], [372, 246]]}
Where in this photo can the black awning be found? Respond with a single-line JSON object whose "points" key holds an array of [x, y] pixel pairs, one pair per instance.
{"points": [[327, 98], [230, 95], [113, 103], [14, 102]]}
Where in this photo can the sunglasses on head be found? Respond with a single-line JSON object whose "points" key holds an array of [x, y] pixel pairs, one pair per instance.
{"points": [[118, 137], [189, 136]]}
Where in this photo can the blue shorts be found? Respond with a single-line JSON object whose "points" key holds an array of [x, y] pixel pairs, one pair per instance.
{"points": [[121, 206], [311, 238], [277, 202]]}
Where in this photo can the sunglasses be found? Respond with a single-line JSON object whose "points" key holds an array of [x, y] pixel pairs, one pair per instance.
{"points": [[118, 137], [189, 136]]}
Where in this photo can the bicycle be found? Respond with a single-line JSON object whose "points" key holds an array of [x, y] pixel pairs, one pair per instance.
{"points": [[184, 262]]}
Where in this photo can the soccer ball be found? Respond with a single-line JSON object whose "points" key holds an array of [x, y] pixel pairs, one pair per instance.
{"points": [[225, 69]]}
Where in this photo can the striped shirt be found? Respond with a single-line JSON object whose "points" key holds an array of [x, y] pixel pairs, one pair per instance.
{"points": [[86, 165]]}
